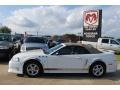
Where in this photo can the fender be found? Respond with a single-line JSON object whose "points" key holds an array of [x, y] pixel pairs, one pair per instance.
{"points": [[90, 62], [33, 58]]}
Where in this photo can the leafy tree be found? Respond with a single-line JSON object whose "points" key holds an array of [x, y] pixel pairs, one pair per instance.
{"points": [[55, 37], [70, 38], [5, 30]]}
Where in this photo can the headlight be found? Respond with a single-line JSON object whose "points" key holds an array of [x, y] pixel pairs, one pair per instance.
{"points": [[16, 59], [4, 47], [23, 49]]}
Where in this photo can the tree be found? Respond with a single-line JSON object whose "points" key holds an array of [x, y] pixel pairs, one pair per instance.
{"points": [[55, 37], [5, 30], [70, 38]]}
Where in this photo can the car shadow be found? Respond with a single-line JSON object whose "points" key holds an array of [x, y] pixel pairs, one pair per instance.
{"points": [[113, 76], [76, 76]]}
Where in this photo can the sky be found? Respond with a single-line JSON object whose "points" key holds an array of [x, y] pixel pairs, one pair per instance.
{"points": [[57, 20]]}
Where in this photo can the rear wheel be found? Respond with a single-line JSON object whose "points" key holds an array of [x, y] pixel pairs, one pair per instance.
{"points": [[32, 69], [97, 69]]}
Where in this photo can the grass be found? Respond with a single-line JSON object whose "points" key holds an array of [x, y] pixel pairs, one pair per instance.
{"points": [[118, 57]]}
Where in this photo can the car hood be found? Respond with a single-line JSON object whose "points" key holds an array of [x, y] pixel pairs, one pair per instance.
{"points": [[33, 44], [30, 53]]}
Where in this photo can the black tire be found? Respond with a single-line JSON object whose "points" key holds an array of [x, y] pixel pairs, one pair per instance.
{"points": [[34, 72], [97, 72]]}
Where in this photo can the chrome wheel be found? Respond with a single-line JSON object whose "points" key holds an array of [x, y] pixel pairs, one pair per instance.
{"points": [[98, 70], [32, 69]]}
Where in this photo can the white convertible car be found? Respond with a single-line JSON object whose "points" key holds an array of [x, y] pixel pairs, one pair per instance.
{"points": [[64, 58]]}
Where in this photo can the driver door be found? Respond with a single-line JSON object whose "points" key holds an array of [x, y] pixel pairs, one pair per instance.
{"points": [[65, 61]]}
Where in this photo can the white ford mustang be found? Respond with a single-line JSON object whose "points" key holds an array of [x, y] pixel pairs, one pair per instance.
{"points": [[64, 58]]}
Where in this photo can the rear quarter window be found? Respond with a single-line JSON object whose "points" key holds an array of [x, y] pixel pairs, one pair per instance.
{"points": [[80, 50], [91, 49]]}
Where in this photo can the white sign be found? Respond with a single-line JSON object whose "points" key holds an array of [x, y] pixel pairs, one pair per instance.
{"points": [[91, 18]]}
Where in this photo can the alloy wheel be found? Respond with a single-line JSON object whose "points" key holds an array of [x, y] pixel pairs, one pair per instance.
{"points": [[32, 69], [98, 70]]}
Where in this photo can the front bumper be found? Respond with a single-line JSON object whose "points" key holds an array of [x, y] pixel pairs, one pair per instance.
{"points": [[15, 67], [4, 53]]}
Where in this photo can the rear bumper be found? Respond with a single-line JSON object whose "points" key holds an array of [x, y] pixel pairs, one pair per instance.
{"points": [[111, 67]]}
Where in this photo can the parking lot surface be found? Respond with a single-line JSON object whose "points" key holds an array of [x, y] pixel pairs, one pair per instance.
{"points": [[57, 79]]}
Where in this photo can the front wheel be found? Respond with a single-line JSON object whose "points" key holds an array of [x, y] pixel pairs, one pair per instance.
{"points": [[32, 69], [97, 70]]}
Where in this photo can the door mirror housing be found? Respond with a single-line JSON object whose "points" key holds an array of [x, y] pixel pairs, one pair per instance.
{"points": [[57, 53]]}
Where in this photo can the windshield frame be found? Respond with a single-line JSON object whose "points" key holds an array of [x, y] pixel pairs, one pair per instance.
{"points": [[54, 49]]}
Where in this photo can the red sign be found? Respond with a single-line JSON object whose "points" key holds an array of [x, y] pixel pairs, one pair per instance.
{"points": [[92, 25], [91, 17]]}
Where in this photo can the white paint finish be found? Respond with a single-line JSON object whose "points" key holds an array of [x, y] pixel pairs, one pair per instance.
{"points": [[64, 63]]}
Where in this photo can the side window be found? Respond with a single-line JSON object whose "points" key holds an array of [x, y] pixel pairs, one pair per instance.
{"points": [[113, 42], [80, 50], [64, 51], [105, 40]]}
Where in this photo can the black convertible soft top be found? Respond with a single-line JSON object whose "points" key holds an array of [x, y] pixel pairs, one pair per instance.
{"points": [[91, 49]]}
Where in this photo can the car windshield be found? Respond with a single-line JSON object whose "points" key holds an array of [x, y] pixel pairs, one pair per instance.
{"points": [[54, 48], [34, 40], [118, 41], [5, 37]]}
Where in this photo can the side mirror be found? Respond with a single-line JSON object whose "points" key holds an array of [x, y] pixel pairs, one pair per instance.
{"points": [[57, 53]]}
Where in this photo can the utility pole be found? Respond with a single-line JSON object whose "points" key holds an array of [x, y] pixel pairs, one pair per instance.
{"points": [[37, 33], [79, 34]]}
